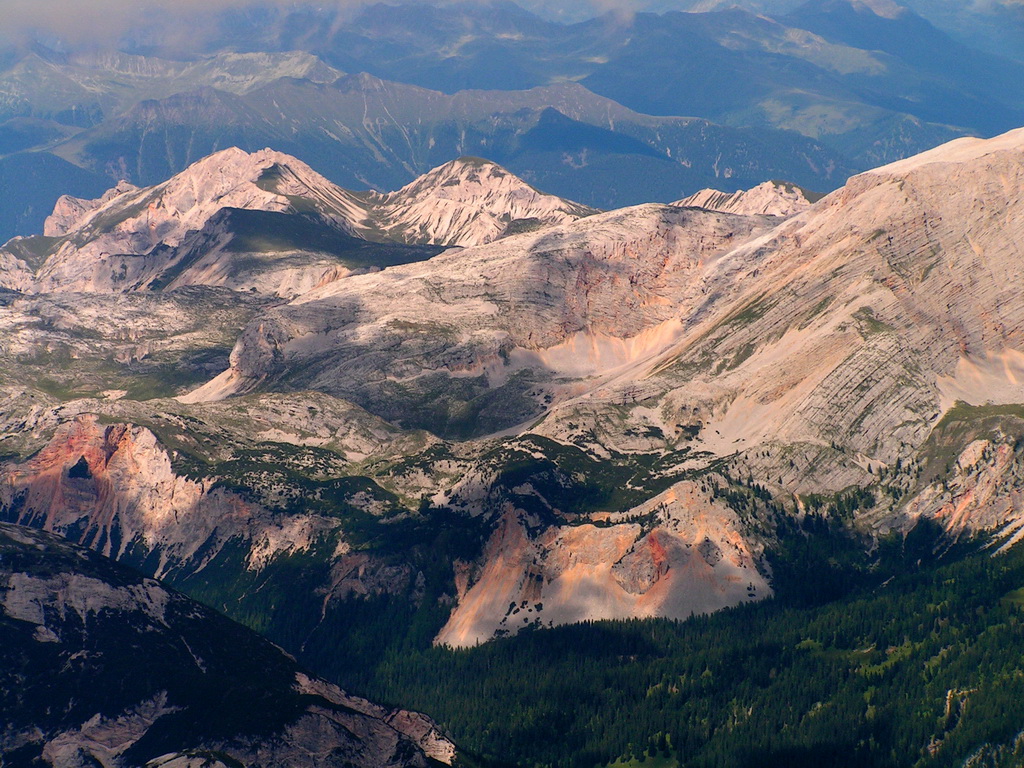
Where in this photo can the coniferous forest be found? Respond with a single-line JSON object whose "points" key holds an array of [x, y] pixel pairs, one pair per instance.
{"points": [[916, 663]]}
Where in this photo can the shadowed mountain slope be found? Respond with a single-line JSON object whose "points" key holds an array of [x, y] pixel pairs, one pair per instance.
{"points": [[104, 667]]}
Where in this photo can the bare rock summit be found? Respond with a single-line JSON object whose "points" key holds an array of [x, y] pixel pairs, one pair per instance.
{"points": [[772, 198], [267, 222]]}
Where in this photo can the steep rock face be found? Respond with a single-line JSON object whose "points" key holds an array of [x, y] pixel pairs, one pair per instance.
{"points": [[15, 274], [968, 477], [981, 493], [124, 671], [772, 198], [934, 309], [238, 496], [871, 314], [113, 488], [678, 554], [467, 202], [70, 213]]}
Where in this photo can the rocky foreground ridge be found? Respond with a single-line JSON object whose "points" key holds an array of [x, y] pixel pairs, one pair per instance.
{"points": [[210, 692], [613, 415]]}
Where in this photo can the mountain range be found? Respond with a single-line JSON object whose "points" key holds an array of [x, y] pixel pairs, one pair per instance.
{"points": [[594, 397], [497, 390], [214, 223], [809, 96], [363, 132], [832, 70], [995, 27]]}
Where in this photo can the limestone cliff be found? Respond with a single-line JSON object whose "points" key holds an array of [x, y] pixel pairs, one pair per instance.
{"points": [[112, 487], [678, 554]]}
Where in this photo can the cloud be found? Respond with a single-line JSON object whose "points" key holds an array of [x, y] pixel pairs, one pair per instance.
{"points": [[80, 22], [183, 24], [81, 17]]}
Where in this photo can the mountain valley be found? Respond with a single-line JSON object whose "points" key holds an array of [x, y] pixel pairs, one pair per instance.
{"points": [[601, 435]]}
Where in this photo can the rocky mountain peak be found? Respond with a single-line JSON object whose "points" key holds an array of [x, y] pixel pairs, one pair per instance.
{"points": [[772, 198], [957, 152], [94, 235], [69, 212], [262, 180], [471, 201], [164, 213], [468, 201]]}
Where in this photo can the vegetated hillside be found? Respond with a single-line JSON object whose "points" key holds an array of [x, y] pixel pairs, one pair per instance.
{"points": [[101, 666], [908, 663]]}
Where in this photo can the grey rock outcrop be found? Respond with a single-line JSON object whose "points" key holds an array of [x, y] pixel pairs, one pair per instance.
{"points": [[576, 301]]}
